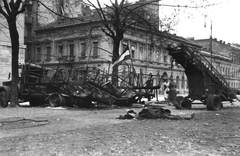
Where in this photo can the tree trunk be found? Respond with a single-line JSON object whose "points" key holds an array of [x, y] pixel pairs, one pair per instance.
{"points": [[116, 44], [15, 51]]}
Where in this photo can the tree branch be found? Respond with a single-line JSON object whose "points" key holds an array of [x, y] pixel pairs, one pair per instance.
{"points": [[8, 13], [102, 15], [3, 13]]}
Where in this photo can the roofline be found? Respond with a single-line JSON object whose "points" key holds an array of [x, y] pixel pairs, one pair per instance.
{"points": [[164, 34]]}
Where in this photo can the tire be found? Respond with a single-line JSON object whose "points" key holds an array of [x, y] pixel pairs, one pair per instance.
{"points": [[55, 100], [3, 99], [186, 104], [214, 102]]}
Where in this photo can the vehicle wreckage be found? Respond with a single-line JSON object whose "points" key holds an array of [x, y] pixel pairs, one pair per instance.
{"points": [[71, 87], [88, 86]]}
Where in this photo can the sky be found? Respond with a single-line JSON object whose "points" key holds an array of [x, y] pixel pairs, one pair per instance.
{"points": [[224, 17]]}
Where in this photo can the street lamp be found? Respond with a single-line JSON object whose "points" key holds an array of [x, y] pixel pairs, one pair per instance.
{"points": [[210, 46]]}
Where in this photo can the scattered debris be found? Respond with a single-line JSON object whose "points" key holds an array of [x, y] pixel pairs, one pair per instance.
{"points": [[14, 123], [131, 114], [206, 124]]}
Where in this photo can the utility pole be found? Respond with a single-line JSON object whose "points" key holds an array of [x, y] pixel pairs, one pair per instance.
{"points": [[210, 43], [211, 50]]}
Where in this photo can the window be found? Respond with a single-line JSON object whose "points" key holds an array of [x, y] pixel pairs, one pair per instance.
{"points": [[133, 51], [48, 54], [83, 49], [95, 49], [165, 59], [60, 50], [38, 57], [154, 56], [158, 57], [71, 50], [28, 54], [29, 31], [141, 53]]}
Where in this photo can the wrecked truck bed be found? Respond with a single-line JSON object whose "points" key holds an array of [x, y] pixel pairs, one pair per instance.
{"points": [[74, 87]]}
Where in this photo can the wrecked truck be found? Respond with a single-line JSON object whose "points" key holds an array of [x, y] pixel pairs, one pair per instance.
{"points": [[72, 87]]}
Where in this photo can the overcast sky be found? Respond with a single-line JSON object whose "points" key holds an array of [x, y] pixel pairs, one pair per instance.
{"points": [[224, 17], [225, 23]]}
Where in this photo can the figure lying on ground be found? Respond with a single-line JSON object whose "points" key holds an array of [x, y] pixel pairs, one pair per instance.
{"points": [[153, 112]]}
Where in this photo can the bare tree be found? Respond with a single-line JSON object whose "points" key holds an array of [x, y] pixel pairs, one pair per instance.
{"points": [[10, 9], [119, 17]]}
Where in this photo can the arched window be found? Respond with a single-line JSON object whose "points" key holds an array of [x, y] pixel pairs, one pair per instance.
{"points": [[165, 75]]}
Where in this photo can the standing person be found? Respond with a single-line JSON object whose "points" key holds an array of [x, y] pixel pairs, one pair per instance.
{"points": [[149, 83], [172, 91], [165, 88]]}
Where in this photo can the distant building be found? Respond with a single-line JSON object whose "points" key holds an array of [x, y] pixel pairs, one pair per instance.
{"points": [[225, 58]]}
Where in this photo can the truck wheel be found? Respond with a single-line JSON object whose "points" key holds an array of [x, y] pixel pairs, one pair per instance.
{"points": [[214, 102], [3, 99], [55, 100]]}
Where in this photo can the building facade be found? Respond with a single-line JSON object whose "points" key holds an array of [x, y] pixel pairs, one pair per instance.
{"points": [[225, 58]]}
